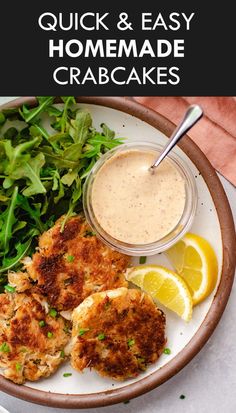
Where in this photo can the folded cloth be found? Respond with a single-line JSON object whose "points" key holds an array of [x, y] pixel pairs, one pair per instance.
{"points": [[215, 133]]}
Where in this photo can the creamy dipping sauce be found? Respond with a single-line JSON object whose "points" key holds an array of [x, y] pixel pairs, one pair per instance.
{"points": [[134, 205]]}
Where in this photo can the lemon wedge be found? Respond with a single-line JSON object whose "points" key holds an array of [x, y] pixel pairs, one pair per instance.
{"points": [[165, 286], [194, 259]]}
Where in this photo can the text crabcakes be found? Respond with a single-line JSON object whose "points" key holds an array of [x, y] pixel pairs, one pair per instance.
{"points": [[118, 333]]}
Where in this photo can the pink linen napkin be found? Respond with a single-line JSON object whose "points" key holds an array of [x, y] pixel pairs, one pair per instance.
{"points": [[215, 133]]}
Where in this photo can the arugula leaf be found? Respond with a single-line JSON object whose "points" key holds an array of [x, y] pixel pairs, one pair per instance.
{"points": [[21, 250], [3, 198], [98, 144], [53, 111], [57, 137], [57, 185], [37, 130], [107, 132], [19, 154], [31, 169], [7, 183], [68, 100], [33, 211], [69, 177], [76, 194], [43, 100], [19, 225], [2, 118], [73, 152], [91, 151], [88, 169], [31, 114], [77, 191], [57, 160], [100, 140], [79, 128], [61, 192], [8, 219], [61, 121]]}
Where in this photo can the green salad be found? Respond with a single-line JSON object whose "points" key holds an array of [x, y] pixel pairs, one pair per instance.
{"points": [[46, 152]]}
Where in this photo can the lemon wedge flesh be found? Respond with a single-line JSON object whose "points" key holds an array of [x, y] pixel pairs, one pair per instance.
{"points": [[165, 286], [194, 259]]}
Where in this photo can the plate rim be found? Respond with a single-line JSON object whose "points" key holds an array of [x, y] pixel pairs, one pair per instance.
{"points": [[75, 401]]}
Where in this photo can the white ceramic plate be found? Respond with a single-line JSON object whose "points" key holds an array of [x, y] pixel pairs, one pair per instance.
{"points": [[89, 389]]}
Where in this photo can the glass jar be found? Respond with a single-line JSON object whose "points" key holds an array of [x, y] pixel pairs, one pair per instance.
{"points": [[170, 238]]}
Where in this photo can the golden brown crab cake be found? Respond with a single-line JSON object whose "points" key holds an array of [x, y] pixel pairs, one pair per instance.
{"points": [[117, 332], [73, 263], [32, 341]]}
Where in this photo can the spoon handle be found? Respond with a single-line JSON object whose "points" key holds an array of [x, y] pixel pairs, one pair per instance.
{"points": [[193, 114]]}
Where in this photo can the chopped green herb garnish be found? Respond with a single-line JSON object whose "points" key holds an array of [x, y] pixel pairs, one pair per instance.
{"points": [[66, 329], [9, 288], [5, 348], [49, 334], [53, 312], [142, 260], [62, 354], [130, 342], [82, 331], [142, 363], [18, 366], [182, 396], [89, 234], [42, 323], [101, 336], [23, 350], [67, 374], [70, 258], [167, 350]]}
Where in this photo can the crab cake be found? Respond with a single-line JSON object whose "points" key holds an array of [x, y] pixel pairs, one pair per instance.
{"points": [[73, 263], [31, 341], [117, 332]]}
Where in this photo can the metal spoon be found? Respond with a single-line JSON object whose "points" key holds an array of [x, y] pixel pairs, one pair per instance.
{"points": [[193, 114]]}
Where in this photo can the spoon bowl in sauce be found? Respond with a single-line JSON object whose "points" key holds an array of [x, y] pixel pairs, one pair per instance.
{"points": [[136, 212]]}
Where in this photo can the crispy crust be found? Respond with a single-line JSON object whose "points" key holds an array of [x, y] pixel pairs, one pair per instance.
{"points": [[73, 264], [118, 333], [26, 351]]}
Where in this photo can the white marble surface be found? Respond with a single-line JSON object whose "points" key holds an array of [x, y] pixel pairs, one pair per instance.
{"points": [[208, 381]]}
